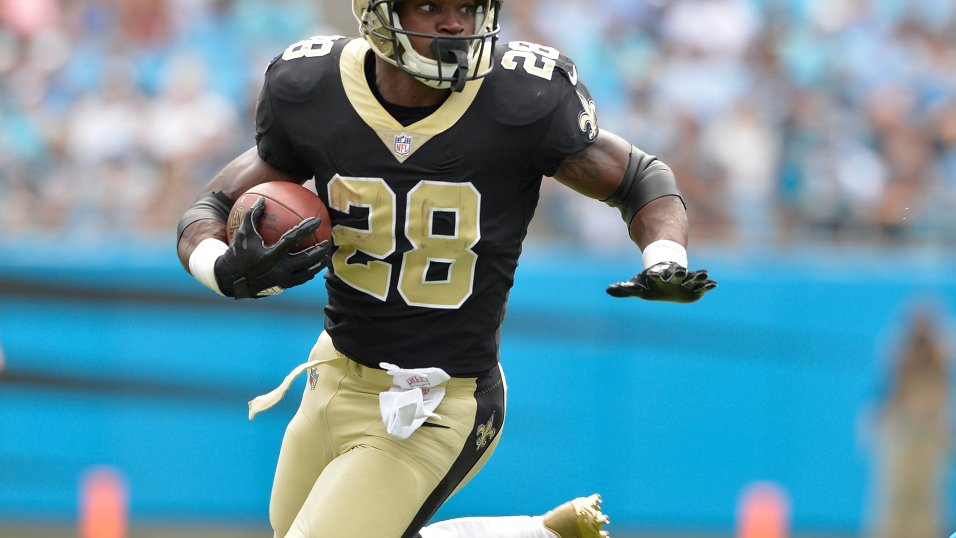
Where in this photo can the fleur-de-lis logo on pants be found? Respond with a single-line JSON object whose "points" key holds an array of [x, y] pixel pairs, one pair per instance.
{"points": [[485, 433]]}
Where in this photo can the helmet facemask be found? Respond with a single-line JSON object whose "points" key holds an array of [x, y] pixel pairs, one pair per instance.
{"points": [[458, 59]]}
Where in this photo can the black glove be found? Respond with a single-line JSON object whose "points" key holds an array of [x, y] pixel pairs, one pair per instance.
{"points": [[250, 269], [665, 281]]}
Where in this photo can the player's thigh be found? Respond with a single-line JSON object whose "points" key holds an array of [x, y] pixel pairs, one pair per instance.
{"points": [[366, 492], [306, 449], [299, 466], [382, 488], [473, 412]]}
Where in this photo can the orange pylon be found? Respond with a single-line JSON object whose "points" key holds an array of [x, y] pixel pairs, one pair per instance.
{"points": [[103, 504], [763, 512]]}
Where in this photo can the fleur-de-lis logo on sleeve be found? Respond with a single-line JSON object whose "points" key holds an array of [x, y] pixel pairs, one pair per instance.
{"points": [[587, 120]]}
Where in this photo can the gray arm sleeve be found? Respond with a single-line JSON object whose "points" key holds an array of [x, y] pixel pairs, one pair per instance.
{"points": [[209, 205], [646, 178]]}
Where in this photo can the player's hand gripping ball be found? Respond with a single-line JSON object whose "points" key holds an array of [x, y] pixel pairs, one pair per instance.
{"points": [[279, 237], [286, 205], [665, 281]]}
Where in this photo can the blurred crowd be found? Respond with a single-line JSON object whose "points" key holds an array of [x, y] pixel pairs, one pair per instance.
{"points": [[787, 121]]}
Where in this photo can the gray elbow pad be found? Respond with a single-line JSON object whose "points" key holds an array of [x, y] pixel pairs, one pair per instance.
{"points": [[646, 178]]}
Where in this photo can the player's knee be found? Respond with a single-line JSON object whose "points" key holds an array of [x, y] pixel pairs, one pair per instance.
{"points": [[280, 526]]}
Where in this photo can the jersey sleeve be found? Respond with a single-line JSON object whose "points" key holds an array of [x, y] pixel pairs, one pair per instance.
{"points": [[573, 125], [273, 142]]}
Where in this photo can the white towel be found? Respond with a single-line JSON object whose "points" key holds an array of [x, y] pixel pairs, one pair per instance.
{"points": [[413, 399]]}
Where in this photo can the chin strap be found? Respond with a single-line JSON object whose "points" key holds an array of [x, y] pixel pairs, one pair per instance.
{"points": [[453, 52]]}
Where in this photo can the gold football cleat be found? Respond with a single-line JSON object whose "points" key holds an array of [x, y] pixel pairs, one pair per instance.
{"points": [[580, 518]]}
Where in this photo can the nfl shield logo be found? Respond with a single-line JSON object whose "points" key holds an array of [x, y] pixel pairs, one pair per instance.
{"points": [[313, 378], [403, 144]]}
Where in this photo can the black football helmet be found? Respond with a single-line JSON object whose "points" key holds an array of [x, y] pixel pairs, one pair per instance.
{"points": [[458, 59]]}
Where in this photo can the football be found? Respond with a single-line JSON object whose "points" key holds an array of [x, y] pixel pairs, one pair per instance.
{"points": [[286, 204]]}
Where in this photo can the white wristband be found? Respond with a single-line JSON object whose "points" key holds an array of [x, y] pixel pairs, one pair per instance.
{"points": [[202, 262], [664, 250]]}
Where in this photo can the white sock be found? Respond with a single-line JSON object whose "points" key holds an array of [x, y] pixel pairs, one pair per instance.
{"points": [[489, 527]]}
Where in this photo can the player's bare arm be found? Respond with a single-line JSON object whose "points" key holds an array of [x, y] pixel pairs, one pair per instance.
{"points": [[645, 190], [247, 268], [240, 175], [598, 171]]}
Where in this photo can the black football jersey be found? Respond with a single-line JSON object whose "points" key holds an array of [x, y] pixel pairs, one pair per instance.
{"points": [[428, 219]]}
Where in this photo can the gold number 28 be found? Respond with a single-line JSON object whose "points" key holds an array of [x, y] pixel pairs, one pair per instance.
{"points": [[451, 249]]}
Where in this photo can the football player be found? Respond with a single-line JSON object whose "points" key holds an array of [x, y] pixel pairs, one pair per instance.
{"points": [[428, 142]]}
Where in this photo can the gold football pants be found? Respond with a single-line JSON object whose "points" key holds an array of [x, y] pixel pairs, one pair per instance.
{"points": [[340, 474]]}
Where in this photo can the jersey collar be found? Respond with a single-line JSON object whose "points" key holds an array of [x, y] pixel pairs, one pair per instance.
{"points": [[401, 141]]}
